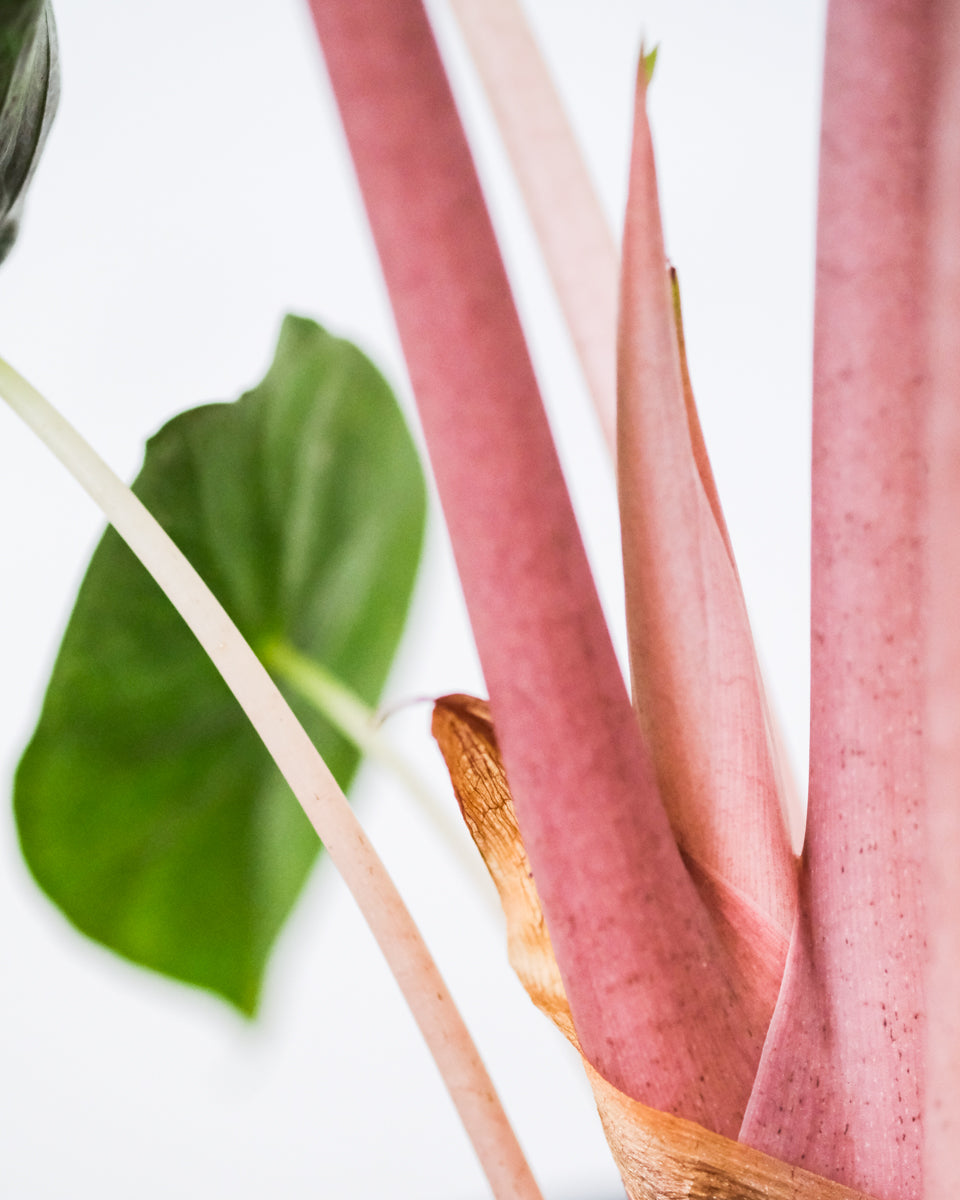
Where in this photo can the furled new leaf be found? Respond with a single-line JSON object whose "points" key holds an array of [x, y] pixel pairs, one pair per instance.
{"points": [[696, 684], [29, 89], [147, 808]]}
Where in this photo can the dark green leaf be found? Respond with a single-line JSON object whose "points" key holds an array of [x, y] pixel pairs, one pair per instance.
{"points": [[147, 808], [29, 90]]}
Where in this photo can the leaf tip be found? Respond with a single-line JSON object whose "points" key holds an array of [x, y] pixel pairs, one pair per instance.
{"points": [[647, 64]]}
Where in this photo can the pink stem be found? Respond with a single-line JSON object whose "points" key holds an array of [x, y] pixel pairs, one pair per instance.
{"points": [[647, 979], [942, 1108], [839, 1089]]}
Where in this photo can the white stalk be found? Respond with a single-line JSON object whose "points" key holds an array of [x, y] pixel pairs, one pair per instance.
{"points": [[313, 785]]}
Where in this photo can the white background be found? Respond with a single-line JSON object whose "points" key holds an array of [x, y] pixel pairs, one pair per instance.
{"points": [[195, 188]]}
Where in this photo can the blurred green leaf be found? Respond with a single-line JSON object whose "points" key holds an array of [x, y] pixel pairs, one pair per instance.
{"points": [[29, 90], [148, 810]]}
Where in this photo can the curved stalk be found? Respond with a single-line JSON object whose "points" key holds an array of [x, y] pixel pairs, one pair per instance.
{"points": [[311, 782]]}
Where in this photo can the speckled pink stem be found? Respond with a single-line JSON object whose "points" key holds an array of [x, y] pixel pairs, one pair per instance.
{"points": [[942, 1108], [647, 978], [839, 1089]]}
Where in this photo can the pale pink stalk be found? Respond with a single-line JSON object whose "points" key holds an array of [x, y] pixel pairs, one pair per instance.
{"points": [[696, 683], [651, 988], [839, 1088], [942, 1107], [575, 239]]}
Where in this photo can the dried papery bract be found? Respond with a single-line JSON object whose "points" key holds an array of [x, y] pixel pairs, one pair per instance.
{"points": [[839, 1089], [652, 988], [942, 1101], [696, 683], [659, 1156]]}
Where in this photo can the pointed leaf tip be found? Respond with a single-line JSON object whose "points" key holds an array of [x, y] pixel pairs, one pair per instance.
{"points": [[648, 62]]}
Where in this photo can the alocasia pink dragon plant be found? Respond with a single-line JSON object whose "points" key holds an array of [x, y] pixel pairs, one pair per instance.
{"points": [[806, 1007], [708, 973]]}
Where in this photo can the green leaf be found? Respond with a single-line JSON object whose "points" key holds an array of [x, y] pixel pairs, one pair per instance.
{"points": [[147, 808], [29, 90]]}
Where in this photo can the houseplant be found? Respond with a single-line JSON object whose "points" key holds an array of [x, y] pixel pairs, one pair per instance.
{"points": [[907, 107]]}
